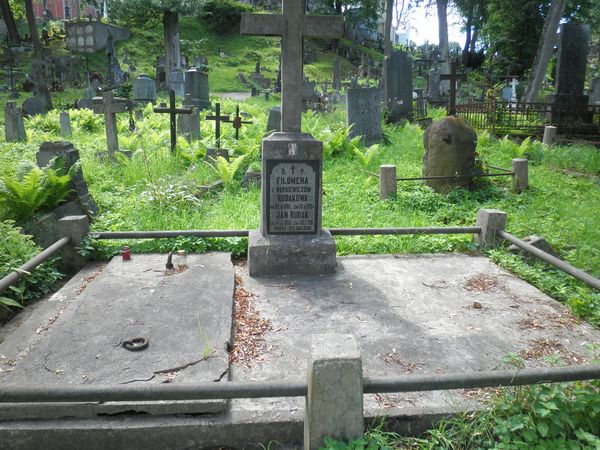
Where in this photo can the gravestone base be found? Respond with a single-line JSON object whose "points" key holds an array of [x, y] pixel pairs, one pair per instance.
{"points": [[214, 153], [102, 155], [569, 109], [291, 254]]}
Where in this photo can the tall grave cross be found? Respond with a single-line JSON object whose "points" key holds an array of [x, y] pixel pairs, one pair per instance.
{"points": [[453, 77], [172, 110], [110, 106], [293, 25], [218, 118]]}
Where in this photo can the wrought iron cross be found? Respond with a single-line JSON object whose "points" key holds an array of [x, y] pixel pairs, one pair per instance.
{"points": [[218, 118], [293, 25], [172, 110], [453, 77], [237, 122]]}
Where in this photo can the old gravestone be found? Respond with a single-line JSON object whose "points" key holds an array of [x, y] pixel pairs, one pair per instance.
{"points": [[144, 89], [274, 119], [14, 129], [363, 113], [450, 146], [398, 86], [188, 125], [569, 103], [337, 73], [434, 87], [196, 84], [177, 82], [65, 123], [594, 91], [290, 239], [38, 76], [33, 106]]}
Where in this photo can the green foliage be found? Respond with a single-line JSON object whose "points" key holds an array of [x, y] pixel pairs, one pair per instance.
{"points": [[557, 416], [223, 16], [16, 249], [365, 158], [33, 189], [226, 170]]}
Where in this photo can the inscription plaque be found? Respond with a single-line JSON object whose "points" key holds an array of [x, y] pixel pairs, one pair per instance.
{"points": [[292, 196]]}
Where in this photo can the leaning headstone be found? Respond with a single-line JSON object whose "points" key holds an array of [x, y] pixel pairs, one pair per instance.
{"points": [[144, 89], [569, 103], [33, 106], [14, 129], [363, 114], [290, 239], [398, 86], [65, 123], [450, 146], [196, 84], [594, 91], [274, 119]]}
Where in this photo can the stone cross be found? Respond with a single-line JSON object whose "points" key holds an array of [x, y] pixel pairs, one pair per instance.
{"points": [[110, 106], [293, 25], [237, 122], [218, 118], [453, 77], [172, 110]]}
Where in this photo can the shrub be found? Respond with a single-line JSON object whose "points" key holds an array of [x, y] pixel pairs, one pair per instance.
{"points": [[15, 250], [222, 16]]}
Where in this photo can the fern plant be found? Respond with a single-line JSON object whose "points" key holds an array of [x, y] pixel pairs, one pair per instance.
{"points": [[33, 189], [226, 170], [365, 158]]}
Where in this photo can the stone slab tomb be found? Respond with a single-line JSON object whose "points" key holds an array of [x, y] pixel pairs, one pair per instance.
{"points": [[184, 315]]}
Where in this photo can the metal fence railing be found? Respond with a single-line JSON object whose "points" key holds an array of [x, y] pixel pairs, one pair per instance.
{"points": [[501, 117]]}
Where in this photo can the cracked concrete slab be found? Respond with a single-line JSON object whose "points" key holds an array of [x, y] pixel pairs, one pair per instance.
{"points": [[421, 314], [186, 316]]}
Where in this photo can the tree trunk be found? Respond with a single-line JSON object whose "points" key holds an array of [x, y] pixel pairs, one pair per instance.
{"points": [[9, 19], [468, 31], [544, 52], [474, 40], [442, 6], [35, 37], [172, 52]]}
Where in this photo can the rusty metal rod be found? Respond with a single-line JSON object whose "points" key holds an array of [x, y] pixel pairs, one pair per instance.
{"points": [[456, 177], [30, 265], [558, 263], [500, 168], [404, 231]]}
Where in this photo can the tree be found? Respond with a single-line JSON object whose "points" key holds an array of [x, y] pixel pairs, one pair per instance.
{"points": [[9, 20], [544, 51], [35, 37]]}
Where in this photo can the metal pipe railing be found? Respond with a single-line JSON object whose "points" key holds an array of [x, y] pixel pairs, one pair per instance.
{"points": [[267, 389], [30, 265], [472, 380], [565, 267], [244, 233]]}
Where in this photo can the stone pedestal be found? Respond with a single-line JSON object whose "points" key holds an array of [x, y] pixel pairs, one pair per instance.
{"points": [[290, 239], [290, 255], [196, 84]]}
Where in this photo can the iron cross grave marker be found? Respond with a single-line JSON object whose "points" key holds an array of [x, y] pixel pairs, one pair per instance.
{"points": [[172, 110]]}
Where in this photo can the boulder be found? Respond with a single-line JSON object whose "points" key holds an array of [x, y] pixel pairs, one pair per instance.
{"points": [[449, 151]]}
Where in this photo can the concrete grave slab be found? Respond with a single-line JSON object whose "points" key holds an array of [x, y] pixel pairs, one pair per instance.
{"points": [[421, 314], [186, 316]]}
